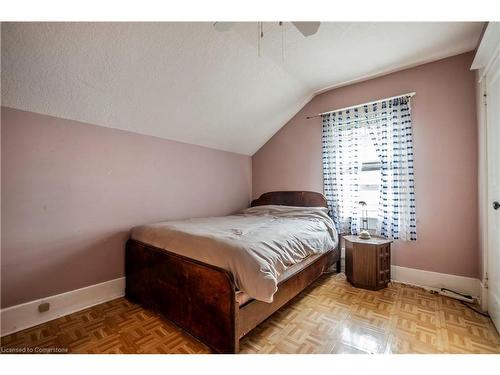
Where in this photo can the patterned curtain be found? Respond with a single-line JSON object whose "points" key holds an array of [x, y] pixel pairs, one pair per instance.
{"points": [[341, 168], [389, 123], [391, 132]]}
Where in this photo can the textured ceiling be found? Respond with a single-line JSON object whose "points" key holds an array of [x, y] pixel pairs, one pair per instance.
{"points": [[190, 83]]}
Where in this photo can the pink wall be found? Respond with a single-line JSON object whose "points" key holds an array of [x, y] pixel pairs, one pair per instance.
{"points": [[445, 145], [71, 192]]}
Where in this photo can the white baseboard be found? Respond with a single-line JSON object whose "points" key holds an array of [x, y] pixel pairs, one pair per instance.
{"points": [[435, 280], [26, 315]]}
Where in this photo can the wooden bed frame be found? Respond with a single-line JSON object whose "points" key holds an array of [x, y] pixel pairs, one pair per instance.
{"points": [[201, 298]]}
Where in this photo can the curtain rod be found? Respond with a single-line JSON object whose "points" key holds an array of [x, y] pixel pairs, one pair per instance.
{"points": [[352, 121], [410, 94]]}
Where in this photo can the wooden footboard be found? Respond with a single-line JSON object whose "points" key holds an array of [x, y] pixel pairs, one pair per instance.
{"points": [[201, 298], [198, 297]]}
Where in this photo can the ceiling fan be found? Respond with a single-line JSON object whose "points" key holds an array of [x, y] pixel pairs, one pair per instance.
{"points": [[305, 28]]}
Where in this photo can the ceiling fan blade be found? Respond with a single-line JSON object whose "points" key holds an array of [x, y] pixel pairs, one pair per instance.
{"points": [[223, 26], [307, 28]]}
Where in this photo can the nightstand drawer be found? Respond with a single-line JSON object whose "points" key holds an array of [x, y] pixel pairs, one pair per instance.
{"points": [[384, 264]]}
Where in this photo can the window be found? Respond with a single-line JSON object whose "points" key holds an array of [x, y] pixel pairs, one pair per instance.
{"points": [[369, 178]]}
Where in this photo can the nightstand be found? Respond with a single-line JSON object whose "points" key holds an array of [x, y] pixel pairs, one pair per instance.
{"points": [[368, 262]]}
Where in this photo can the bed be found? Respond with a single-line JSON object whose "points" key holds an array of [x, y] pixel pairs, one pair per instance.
{"points": [[219, 278]]}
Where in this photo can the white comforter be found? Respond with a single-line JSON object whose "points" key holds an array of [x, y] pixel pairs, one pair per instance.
{"points": [[255, 245]]}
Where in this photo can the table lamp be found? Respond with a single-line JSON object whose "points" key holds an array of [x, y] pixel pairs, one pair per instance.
{"points": [[364, 234]]}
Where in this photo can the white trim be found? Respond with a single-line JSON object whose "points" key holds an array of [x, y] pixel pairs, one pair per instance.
{"points": [[26, 315], [483, 296], [486, 55], [489, 44], [435, 281], [486, 70], [482, 185]]}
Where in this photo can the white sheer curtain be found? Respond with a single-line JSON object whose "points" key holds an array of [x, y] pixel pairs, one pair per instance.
{"points": [[341, 168], [391, 132], [389, 123]]}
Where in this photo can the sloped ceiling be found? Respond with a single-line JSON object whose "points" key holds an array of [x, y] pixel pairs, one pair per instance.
{"points": [[191, 83]]}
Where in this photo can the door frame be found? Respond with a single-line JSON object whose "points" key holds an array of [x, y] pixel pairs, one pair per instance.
{"points": [[486, 55], [483, 188]]}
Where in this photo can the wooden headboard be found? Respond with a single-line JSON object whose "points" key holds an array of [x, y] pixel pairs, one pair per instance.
{"points": [[291, 198]]}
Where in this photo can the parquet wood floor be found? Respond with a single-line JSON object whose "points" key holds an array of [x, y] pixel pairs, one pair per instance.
{"points": [[330, 316]]}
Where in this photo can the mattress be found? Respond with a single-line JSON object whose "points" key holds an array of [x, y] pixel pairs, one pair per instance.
{"points": [[257, 245], [242, 298]]}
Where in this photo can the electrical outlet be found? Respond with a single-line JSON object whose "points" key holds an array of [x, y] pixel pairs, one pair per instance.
{"points": [[43, 307]]}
